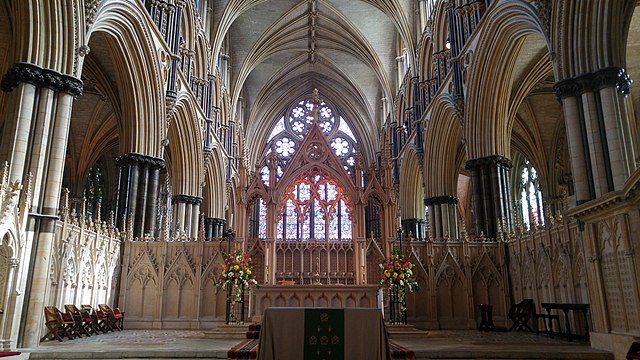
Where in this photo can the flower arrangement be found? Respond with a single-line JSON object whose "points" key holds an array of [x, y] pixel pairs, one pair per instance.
{"points": [[396, 272], [237, 270]]}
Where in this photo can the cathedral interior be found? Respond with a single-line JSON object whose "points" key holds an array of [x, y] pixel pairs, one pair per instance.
{"points": [[493, 142]]}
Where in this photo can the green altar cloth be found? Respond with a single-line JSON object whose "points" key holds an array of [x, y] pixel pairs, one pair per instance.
{"points": [[323, 334], [287, 333]]}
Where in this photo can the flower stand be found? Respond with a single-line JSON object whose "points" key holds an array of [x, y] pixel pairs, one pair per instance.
{"points": [[235, 304]]}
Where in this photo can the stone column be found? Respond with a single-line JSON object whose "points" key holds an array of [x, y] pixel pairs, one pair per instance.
{"points": [[208, 228], [138, 186], [442, 218], [186, 214], [490, 199], [34, 140], [598, 131]]}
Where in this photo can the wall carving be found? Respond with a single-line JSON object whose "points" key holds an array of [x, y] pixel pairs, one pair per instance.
{"points": [[171, 285], [85, 259]]}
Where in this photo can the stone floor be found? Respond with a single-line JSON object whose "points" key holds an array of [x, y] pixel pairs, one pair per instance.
{"points": [[186, 344]]}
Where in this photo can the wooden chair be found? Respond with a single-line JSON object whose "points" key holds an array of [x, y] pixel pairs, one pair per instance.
{"points": [[103, 321], [54, 322], [114, 322], [96, 327], [82, 323], [69, 325], [520, 314], [120, 316]]}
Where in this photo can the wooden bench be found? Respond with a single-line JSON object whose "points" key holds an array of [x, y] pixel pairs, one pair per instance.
{"points": [[566, 308], [547, 322]]}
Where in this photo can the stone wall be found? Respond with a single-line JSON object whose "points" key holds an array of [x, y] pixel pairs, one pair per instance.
{"points": [[171, 284], [612, 261]]}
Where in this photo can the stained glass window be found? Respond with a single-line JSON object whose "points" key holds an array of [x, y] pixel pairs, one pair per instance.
{"points": [[291, 128], [324, 209], [277, 129], [262, 220], [319, 220], [345, 226], [264, 175], [292, 220], [530, 196]]}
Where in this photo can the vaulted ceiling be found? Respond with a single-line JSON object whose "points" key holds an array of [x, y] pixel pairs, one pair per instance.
{"points": [[280, 51]]}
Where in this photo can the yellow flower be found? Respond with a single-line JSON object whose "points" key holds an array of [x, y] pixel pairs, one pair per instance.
{"points": [[236, 267], [395, 274], [410, 272], [248, 271], [401, 276], [387, 273]]}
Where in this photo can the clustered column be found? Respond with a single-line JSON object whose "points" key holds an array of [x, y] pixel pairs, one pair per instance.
{"points": [[442, 216], [138, 186], [186, 214], [414, 228], [491, 199], [214, 228], [34, 141], [598, 131]]}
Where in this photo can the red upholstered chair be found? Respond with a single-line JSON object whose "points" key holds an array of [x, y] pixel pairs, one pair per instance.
{"points": [[69, 324], [114, 322], [82, 325], [120, 317], [103, 321], [57, 326], [96, 327]]}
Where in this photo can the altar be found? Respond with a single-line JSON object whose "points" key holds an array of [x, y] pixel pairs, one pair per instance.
{"points": [[313, 296], [301, 333]]}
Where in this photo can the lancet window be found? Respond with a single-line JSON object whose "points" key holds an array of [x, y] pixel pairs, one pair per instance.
{"points": [[530, 196], [315, 207]]}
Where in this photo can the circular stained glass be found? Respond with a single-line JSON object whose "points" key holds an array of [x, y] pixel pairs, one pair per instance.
{"points": [[341, 146], [327, 125], [286, 136], [285, 147], [298, 112], [298, 127]]}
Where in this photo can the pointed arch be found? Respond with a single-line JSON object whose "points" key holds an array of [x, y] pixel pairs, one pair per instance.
{"points": [[137, 62], [442, 148], [411, 188], [186, 166], [490, 82], [215, 195]]}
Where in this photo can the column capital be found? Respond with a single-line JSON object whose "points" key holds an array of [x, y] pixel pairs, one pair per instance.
{"points": [[33, 74], [607, 77], [140, 159], [438, 200], [187, 199], [478, 163]]}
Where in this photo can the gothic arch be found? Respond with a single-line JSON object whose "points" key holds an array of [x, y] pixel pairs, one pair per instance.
{"points": [[411, 188], [440, 27], [442, 148], [136, 62], [59, 20], [186, 166], [425, 58], [509, 25], [357, 114], [581, 52], [201, 61], [214, 192]]}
